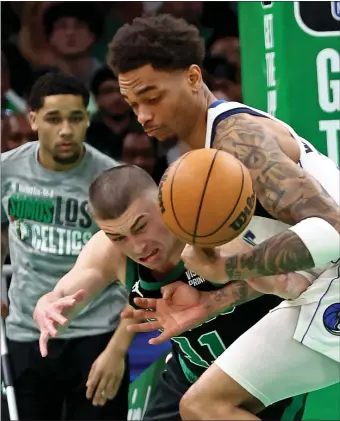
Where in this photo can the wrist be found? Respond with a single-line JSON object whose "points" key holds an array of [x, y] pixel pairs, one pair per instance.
{"points": [[52, 296], [212, 302], [119, 350]]}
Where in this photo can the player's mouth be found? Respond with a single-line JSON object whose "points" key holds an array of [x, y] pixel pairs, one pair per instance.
{"points": [[150, 257], [66, 146], [151, 132]]}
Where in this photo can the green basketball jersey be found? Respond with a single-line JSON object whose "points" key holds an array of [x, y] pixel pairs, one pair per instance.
{"points": [[199, 347]]}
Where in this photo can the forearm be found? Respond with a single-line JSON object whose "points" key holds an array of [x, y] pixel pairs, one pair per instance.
{"points": [[88, 279], [122, 338], [283, 253], [232, 295]]}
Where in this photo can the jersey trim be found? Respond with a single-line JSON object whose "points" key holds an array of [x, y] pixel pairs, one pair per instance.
{"points": [[130, 274], [168, 278], [229, 113], [216, 103]]}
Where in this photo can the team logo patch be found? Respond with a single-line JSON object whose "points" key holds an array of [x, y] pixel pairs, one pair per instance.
{"points": [[22, 229], [331, 319]]}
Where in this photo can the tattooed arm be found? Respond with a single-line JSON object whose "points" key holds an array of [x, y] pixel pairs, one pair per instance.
{"points": [[286, 191], [233, 294]]}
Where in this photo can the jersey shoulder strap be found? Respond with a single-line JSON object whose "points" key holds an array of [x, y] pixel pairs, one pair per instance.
{"points": [[131, 271], [220, 110]]}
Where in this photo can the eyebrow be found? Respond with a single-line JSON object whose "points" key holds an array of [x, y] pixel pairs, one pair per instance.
{"points": [[143, 90], [57, 112], [132, 228]]}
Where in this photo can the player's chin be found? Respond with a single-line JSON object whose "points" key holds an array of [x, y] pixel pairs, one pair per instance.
{"points": [[66, 157], [162, 136]]}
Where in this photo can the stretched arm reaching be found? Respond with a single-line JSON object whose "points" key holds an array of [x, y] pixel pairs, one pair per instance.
{"points": [[96, 267], [183, 307]]}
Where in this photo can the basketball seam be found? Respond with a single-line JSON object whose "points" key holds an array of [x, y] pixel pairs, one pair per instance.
{"points": [[171, 192], [202, 197], [194, 236], [233, 210]]}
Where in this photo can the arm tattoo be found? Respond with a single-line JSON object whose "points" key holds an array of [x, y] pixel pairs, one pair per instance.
{"points": [[232, 295], [284, 190]]}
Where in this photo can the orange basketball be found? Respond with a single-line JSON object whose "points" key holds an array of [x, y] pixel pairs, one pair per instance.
{"points": [[206, 197]]}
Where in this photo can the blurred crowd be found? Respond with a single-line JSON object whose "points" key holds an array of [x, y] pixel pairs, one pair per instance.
{"points": [[38, 37]]}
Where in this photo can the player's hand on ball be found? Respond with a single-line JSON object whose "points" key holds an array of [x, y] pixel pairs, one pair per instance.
{"points": [[207, 263], [105, 377], [180, 309], [48, 315]]}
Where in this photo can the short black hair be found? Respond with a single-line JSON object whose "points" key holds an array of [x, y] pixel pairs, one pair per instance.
{"points": [[101, 76], [164, 42], [87, 13], [113, 191], [56, 83]]}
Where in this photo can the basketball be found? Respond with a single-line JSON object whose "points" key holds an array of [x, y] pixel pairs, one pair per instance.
{"points": [[206, 197]]}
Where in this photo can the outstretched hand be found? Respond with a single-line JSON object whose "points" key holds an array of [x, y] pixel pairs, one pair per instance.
{"points": [[48, 315], [180, 309]]}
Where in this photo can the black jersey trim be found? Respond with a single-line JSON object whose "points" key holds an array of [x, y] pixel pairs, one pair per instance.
{"points": [[229, 113]]}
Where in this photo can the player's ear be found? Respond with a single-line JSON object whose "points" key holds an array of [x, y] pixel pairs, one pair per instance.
{"points": [[33, 118], [195, 77]]}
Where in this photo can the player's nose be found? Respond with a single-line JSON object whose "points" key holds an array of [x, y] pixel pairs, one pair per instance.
{"points": [[138, 245], [144, 115]]}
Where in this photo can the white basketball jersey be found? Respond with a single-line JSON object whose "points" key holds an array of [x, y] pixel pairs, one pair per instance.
{"points": [[322, 168], [318, 325]]}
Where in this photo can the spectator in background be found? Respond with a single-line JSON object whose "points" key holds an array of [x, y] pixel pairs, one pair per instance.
{"points": [[191, 11], [9, 99], [17, 131], [229, 49], [223, 77], [44, 188], [141, 150], [110, 125], [5, 81], [28, 50], [71, 30]]}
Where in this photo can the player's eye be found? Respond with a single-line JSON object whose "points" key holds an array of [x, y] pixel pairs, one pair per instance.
{"points": [[77, 119], [141, 228], [154, 100], [53, 120], [117, 239]]}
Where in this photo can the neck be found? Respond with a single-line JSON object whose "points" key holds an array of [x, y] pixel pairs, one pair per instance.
{"points": [[196, 138], [46, 160], [76, 66], [174, 259]]}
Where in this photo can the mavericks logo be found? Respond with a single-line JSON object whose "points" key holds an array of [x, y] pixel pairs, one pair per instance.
{"points": [[331, 319]]}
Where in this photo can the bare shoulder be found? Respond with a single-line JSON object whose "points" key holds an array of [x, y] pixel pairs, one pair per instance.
{"points": [[248, 137], [284, 189]]}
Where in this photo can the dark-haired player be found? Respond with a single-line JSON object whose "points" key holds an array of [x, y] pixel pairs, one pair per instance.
{"points": [[44, 196], [158, 62]]}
